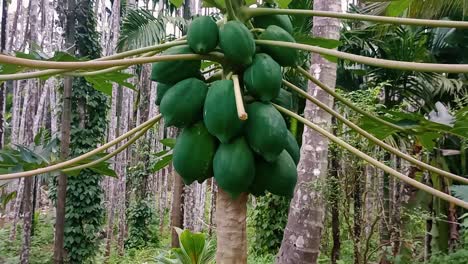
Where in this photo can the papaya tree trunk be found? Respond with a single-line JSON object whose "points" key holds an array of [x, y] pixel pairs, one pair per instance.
{"points": [[177, 207], [230, 218]]}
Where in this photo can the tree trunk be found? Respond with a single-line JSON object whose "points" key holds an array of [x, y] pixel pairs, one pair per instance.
{"points": [[302, 235], [335, 198], [385, 222], [2, 85], [190, 206], [177, 208], [231, 216], [19, 7], [65, 140]]}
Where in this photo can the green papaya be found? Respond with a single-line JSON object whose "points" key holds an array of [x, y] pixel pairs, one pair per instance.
{"points": [[284, 56], [279, 176], [193, 153], [234, 167], [263, 78], [182, 105], [220, 112], [293, 148], [202, 35], [174, 71], [237, 43], [265, 130], [284, 99], [282, 21], [161, 89]]}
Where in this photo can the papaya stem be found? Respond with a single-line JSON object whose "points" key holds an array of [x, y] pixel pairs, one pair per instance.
{"points": [[251, 12], [35, 74], [382, 63], [112, 154], [257, 30], [5, 59], [375, 140], [345, 101], [373, 161], [75, 160], [239, 103]]}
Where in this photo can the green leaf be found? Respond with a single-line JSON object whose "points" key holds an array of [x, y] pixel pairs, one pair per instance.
{"points": [[192, 244], [396, 8], [317, 41], [428, 139], [460, 191], [284, 3], [250, 2], [168, 142], [103, 82], [177, 3], [163, 162], [220, 4]]}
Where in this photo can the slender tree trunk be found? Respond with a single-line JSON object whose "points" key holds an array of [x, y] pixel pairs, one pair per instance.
{"points": [[177, 207], [214, 192], [303, 232], [59, 251], [19, 7], [190, 206], [385, 222], [231, 216], [335, 194], [2, 85]]}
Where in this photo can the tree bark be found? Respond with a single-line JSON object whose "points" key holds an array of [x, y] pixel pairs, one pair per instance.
{"points": [[65, 140], [302, 235], [2, 85], [177, 208], [231, 230], [19, 7]]}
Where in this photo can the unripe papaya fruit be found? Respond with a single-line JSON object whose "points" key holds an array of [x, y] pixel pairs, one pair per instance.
{"points": [[237, 42], [171, 72], [284, 56], [182, 105], [265, 130], [220, 112], [279, 176], [202, 35], [293, 148], [282, 21], [284, 99], [161, 89], [234, 167], [263, 78], [193, 153]]}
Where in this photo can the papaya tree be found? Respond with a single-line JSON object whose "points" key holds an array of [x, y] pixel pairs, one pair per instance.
{"points": [[231, 130]]}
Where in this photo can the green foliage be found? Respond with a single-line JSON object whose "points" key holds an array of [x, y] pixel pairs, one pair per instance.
{"points": [[194, 249], [84, 212], [140, 28], [41, 242], [140, 235], [269, 219]]}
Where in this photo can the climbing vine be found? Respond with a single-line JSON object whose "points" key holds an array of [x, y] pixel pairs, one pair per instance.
{"points": [[84, 212], [269, 220]]}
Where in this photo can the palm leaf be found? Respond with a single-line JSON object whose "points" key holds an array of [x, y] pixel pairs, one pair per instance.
{"points": [[433, 9], [140, 28]]}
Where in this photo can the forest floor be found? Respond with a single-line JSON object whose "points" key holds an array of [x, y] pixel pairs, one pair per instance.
{"points": [[41, 250]]}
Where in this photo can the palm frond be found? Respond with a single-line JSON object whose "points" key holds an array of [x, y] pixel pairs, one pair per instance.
{"points": [[140, 28], [431, 9]]}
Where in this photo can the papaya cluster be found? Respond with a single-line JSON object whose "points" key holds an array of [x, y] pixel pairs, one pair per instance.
{"points": [[254, 155]]}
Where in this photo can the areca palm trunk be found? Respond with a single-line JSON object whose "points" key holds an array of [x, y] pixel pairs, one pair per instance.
{"points": [[303, 232]]}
